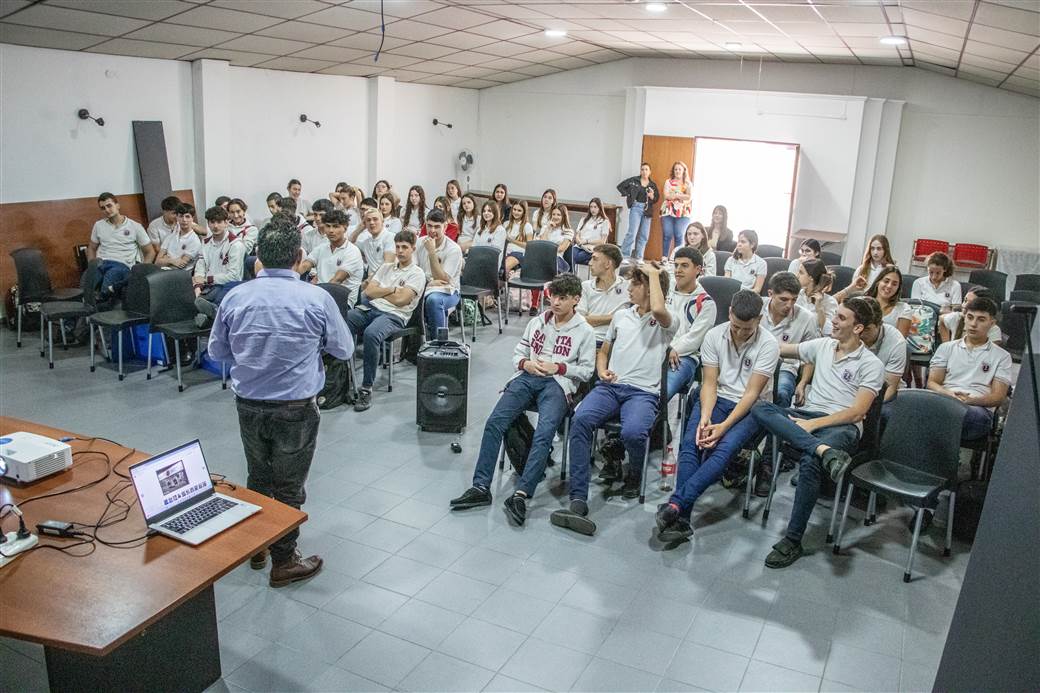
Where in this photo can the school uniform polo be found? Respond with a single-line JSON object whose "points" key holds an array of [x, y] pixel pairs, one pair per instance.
{"points": [[890, 348], [328, 261], [953, 319], [121, 243], [178, 245], [514, 233], [495, 238], [747, 271], [694, 314], [310, 238], [468, 230], [836, 381], [391, 225], [796, 328], [392, 275], [220, 263], [374, 248], [638, 346], [972, 369], [450, 255], [947, 293], [736, 366], [558, 235], [592, 231], [830, 307], [158, 229], [247, 233], [900, 310], [606, 302]]}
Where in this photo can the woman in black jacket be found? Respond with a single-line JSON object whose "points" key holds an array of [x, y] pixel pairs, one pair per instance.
{"points": [[641, 194]]}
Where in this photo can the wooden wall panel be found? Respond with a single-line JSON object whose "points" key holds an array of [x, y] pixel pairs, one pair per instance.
{"points": [[661, 153], [56, 227]]}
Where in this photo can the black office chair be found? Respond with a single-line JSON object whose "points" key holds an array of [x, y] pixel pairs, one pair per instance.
{"points": [[991, 279], [1014, 327], [830, 258], [917, 459], [1025, 296], [134, 311], [537, 269], [67, 310], [171, 313], [721, 257], [774, 265], [842, 277], [1027, 282], [767, 251], [726, 246], [34, 284], [721, 290], [480, 279], [908, 285]]}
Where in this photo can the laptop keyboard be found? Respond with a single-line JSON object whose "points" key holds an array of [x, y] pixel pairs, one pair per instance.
{"points": [[196, 516]]}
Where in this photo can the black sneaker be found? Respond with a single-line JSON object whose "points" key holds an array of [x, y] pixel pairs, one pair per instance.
{"points": [[836, 462], [207, 308], [631, 488], [202, 321], [764, 481], [533, 311], [473, 498], [575, 518], [667, 514], [612, 471], [680, 530], [364, 400], [784, 553], [516, 508]]}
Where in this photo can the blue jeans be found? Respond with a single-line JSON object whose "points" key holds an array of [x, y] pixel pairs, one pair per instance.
{"points": [[682, 376], [810, 469], [581, 256], [112, 277], [699, 469], [522, 392], [437, 305], [672, 230], [785, 388], [371, 327], [638, 411], [977, 423], [216, 293], [638, 231]]}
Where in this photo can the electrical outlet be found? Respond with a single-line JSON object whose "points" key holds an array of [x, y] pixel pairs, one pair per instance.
{"points": [[14, 547]]}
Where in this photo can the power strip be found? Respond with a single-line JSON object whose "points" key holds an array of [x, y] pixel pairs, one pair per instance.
{"points": [[14, 547]]}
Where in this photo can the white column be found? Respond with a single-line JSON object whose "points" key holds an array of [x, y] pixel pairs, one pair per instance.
{"points": [[211, 109], [381, 123]]}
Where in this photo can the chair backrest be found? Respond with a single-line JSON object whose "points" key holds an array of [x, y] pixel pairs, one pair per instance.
{"points": [[765, 250], [923, 247], [923, 431], [171, 297], [774, 265], [908, 285], [726, 246], [1014, 327], [965, 287], [842, 277], [970, 255], [34, 282], [539, 261], [871, 438], [1023, 296], [991, 279], [343, 297], [136, 300], [830, 258], [1027, 282], [481, 269], [721, 256], [721, 290]]}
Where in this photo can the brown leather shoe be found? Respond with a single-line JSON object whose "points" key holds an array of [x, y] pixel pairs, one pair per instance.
{"points": [[259, 560], [295, 569]]}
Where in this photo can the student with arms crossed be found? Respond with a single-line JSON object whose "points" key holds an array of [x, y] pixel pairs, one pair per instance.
{"points": [[164, 224], [694, 312], [745, 265], [605, 293], [180, 250], [554, 356], [373, 240], [337, 260]]}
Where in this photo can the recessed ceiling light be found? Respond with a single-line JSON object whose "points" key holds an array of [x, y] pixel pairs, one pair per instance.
{"points": [[732, 45], [656, 7], [893, 40], [555, 33]]}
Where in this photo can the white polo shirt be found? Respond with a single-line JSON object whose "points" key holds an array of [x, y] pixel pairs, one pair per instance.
{"points": [[392, 225], [900, 310], [450, 255], [972, 369], [328, 261], [514, 233], [747, 271], [310, 238], [836, 382], [158, 229], [221, 262], [375, 248], [557, 235], [391, 274], [796, 328], [947, 293], [693, 323], [353, 218], [953, 319], [468, 230], [830, 307], [180, 244], [495, 238], [592, 231], [638, 346], [606, 302], [758, 355], [711, 265], [121, 243], [890, 348]]}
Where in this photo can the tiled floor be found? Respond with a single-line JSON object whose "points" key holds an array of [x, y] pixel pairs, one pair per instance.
{"points": [[415, 598]]}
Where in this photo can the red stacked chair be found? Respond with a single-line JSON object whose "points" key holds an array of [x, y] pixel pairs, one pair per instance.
{"points": [[971, 256], [923, 247]]}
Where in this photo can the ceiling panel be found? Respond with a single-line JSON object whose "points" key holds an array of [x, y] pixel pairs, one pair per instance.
{"points": [[345, 18], [265, 44], [427, 51], [178, 33], [65, 19], [47, 38], [1009, 18], [219, 18], [397, 8], [152, 9], [305, 31], [337, 54], [238, 58], [294, 64], [286, 9], [413, 30], [142, 49], [1000, 37]]}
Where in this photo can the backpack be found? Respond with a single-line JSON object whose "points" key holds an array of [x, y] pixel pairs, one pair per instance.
{"points": [[971, 496], [518, 439], [339, 384], [921, 337]]}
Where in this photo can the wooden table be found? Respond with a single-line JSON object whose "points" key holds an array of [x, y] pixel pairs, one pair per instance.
{"points": [[122, 619]]}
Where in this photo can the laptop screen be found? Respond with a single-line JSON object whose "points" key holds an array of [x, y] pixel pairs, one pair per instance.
{"points": [[171, 479]]}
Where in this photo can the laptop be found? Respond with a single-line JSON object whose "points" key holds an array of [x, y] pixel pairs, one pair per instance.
{"points": [[178, 499]]}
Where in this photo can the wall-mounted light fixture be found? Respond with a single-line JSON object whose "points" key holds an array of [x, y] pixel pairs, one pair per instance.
{"points": [[441, 122], [84, 114], [305, 119]]}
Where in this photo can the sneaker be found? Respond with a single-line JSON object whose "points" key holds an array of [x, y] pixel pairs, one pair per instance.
{"points": [[784, 553], [364, 400], [516, 508], [575, 518], [295, 569], [474, 497], [533, 311], [259, 560], [667, 514], [836, 462], [680, 530], [631, 488], [612, 471], [202, 321], [207, 308], [764, 481]]}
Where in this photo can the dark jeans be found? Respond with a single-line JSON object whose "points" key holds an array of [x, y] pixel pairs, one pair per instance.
{"points": [[371, 327], [638, 411], [580, 256], [541, 393], [786, 384], [279, 439], [977, 423], [810, 469], [112, 277], [216, 293]]}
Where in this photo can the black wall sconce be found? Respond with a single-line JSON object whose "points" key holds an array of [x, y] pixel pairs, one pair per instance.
{"points": [[305, 119], [441, 122], [84, 114]]}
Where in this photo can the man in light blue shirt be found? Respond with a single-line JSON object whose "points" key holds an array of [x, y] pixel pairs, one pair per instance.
{"points": [[273, 331]]}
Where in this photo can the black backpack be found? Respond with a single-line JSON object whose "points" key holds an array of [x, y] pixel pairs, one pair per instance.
{"points": [[971, 496], [519, 437], [339, 384]]}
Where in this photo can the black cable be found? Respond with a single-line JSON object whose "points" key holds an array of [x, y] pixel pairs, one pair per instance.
{"points": [[63, 549], [382, 28]]}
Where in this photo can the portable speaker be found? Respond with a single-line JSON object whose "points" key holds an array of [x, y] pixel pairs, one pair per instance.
{"points": [[443, 387]]}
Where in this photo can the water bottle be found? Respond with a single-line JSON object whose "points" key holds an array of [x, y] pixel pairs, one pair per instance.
{"points": [[668, 467]]}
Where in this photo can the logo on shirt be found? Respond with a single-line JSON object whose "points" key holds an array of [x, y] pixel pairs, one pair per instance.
{"points": [[562, 346], [400, 283], [126, 232], [339, 262], [617, 290], [538, 342], [747, 362], [653, 322], [985, 368], [184, 246], [785, 337], [846, 375]]}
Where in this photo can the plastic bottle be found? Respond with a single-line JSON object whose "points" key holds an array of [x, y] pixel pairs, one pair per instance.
{"points": [[668, 467]]}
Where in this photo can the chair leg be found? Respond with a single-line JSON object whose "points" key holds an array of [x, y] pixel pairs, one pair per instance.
{"points": [[502, 456], [50, 344], [871, 510], [841, 525], [390, 368], [776, 475], [92, 326], [646, 464], [498, 309], [177, 356], [747, 491], [913, 544], [18, 340], [566, 447], [64, 341], [507, 310], [834, 507], [120, 338], [949, 524], [223, 376], [43, 351], [149, 350]]}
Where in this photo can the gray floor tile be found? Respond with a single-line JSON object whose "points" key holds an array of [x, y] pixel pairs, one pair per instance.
{"points": [[324, 635], [479, 642], [644, 650], [828, 686], [916, 678], [792, 650], [341, 680], [353, 559], [540, 580], [514, 610], [402, 575], [456, 592], [383, 658], [880, 635], [320, 589], [331, 489], [416, 513], [373, 501], [366, 604], [605, 675], [385, 535], [769, 678], [922, 646], [278, 668], [439, 672], [434, 550], [575, 629], [598, 597], [736, 634], [546, 665], [237, 646], [810, 618], [341, 522], [706, 667], [504, 684], [868, 670], [269, 612], [422, 623], [659, 614], [486, 565], [21, 673], [515, 541]]}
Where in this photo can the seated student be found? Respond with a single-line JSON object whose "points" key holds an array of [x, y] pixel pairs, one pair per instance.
{"points": [[737, 361], [239, 226], [222, 201], [376, 245], [951, 325], [346, 199], [489, 230], [745, 265], [939, 287], [390, 208], [117, 242], [309, 235], [272, 202], [789, 323], [367, 204], [336, 260], [440, 258], [973, 369], [876, 257], [815, 282], [164, 224], [414, 209], [388, 299], [558, 230], [555, 355], [295, 189], [468, 218], [887, 289], [451, 229], [808, 250], [592, 230], [887, 343], [316, 214], [180, 250], [697, 238], [629, 366], [694, 314], [518, 233], [453, 194], [846, 379], [605, 292], [219, 267]]}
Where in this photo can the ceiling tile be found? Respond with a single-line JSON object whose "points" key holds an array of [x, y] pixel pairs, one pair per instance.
{"points": [[540, 56], [387, 61], [978, 74], [153, 9], [987, 63], [998, 37], [471, 72], [64, 19], [1005, 55], [506, 63], [506, 77], [937, 51], [427, 51], [958, 9], [504, 49], [142, 49], [936, 22], [294, 64], [345, 18], [576, 48], [753, 28], [406, 75], [219, 18], [351, 70], [1010, 18], [369, 42], [185, 35], [237, 58], [788, 13], [454, 18], [434, 67], [265, 44], [1025, 86], [304, 31], [516, 11], [934, 37], [806, 28], [397, 8], [468, 58], [568, 11], [928, 56], [552, 23], [439, 80], [540, 40], [413, 30], [537, 70], [462, 40], [286, 9], [477, 84], [846, 29], [571, 63], [932, 67], [877, 52], [603, 24], [853, 13], [502, 29], [336, 54], [9, 6], [720, 12], [46, 38]]}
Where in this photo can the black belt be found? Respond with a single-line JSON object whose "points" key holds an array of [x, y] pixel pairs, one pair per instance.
{"points": [[275, 402]]}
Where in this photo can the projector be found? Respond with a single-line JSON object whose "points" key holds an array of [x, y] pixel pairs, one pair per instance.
{"points": [[27, 457]]}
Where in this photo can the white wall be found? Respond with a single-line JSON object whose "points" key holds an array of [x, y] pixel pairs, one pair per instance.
{"points": [[48, 153]]}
